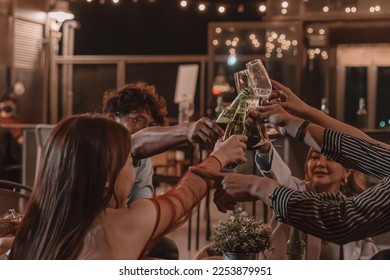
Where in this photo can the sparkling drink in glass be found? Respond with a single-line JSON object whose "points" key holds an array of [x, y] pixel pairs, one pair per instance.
{"points": [[260, 83]]}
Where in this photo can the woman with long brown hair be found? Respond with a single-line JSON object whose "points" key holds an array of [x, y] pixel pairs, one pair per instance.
{"points": [[78, 206]]}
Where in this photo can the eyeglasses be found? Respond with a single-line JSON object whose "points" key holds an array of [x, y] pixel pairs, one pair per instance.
{"points": [[139, 121]]}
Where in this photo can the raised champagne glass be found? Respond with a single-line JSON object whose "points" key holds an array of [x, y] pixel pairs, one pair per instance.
{"points": [[236, 125], [253, 131], [261, 85], [236, 113]]}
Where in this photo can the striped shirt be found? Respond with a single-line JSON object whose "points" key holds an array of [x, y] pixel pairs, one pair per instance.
{"points": [[334, 217]]}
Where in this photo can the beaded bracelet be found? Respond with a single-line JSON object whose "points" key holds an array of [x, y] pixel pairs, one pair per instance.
{"points": [[301, 131]]}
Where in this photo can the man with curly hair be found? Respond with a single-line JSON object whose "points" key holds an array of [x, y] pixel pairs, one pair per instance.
{"points": [[140, 108]]}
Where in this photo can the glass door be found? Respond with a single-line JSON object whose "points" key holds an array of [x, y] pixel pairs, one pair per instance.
{"points": [[363, 71]]}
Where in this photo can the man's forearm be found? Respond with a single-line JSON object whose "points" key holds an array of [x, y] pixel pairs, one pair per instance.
{"points": [[154, 140]]}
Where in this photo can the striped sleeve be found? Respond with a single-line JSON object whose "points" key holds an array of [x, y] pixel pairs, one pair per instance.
{"points": [[335, 217], [356, 153]]}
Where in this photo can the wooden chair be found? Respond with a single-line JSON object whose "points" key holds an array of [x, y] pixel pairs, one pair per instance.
{"points": [[13, 196]]}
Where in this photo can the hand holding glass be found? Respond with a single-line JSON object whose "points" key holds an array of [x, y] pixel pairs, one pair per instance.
{"points": [[261, 85]]}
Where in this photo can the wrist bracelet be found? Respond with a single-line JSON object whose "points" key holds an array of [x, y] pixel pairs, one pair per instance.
{"points": [[301, 131]]}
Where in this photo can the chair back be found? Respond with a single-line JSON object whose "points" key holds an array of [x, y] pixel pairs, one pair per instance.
{"points": [[13, 196]]}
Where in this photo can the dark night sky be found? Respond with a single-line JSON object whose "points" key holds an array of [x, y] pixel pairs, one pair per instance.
{"points": [[147, 28]]}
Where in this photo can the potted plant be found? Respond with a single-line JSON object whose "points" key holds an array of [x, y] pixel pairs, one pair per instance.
{"points": [[241, 236]]}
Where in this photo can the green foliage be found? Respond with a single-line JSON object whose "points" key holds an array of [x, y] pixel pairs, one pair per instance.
{"points": [[241, 234]]}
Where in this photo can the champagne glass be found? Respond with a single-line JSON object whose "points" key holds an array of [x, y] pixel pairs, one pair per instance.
{"points": [[260, 84], [258, 78], [254, 131], [236, 124], [244, 101]]}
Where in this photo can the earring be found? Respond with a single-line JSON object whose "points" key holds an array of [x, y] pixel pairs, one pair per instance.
{"points": [[117, 117], [344, 181]]}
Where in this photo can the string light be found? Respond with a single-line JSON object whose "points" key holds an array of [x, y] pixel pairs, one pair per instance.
{"points": [[279, 44], [373, 9], [350, 10], [221, 9], [313, 53], [262, 8], [325, 9]]}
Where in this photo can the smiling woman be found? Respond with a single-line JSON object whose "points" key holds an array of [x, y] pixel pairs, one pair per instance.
{"points": [[321, 175]]}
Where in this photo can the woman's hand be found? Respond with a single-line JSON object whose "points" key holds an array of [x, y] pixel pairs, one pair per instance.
{"points": [[232, 187], [273, 114], [231, 150], [9, 225], [283, 96]]}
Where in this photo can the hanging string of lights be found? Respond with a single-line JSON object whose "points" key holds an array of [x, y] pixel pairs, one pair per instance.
{"points": [[203, 6], [223, 6], [277, 44]]}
